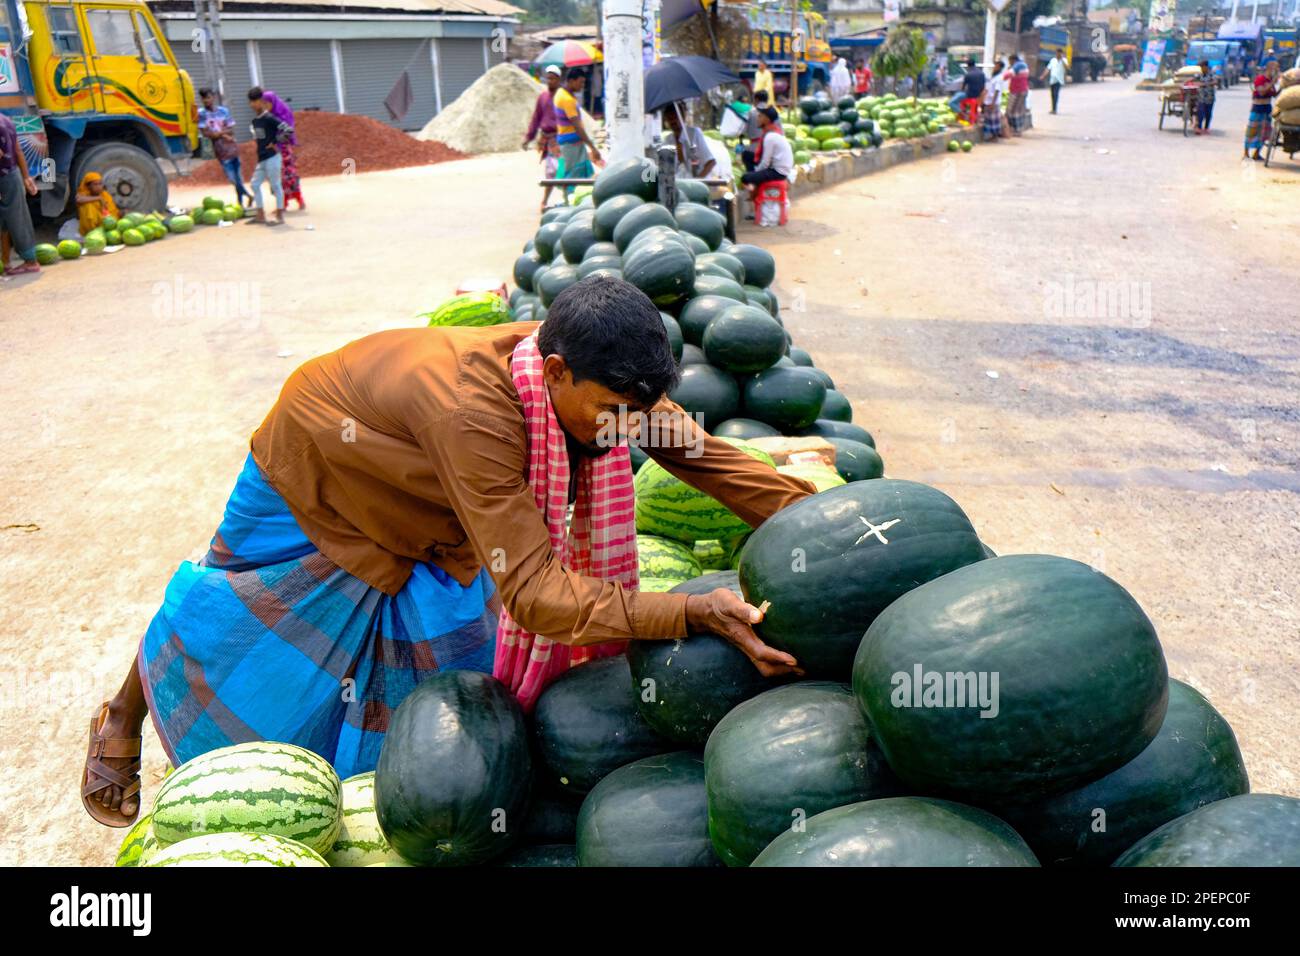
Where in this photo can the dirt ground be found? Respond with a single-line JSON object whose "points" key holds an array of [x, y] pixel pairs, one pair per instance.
{"points": [[1088, 338]]}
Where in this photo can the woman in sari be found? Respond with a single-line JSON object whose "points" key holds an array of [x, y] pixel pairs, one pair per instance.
{"points": [[1259, 126], [287, 149], [93, 203]]}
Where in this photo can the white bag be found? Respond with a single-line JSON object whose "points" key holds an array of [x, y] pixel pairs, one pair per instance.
{"points": [[70, 230], [733, 123]]}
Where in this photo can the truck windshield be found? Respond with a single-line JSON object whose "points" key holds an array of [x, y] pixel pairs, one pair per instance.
{"points": [[112, 32]]}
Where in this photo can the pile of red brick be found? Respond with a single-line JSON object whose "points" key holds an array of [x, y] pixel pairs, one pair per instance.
{"points": [[332, 143]]}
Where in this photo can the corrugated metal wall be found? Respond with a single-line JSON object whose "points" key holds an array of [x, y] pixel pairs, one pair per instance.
{"points": [[238, 80], [460, 63], [371, 67], [300, 72]]}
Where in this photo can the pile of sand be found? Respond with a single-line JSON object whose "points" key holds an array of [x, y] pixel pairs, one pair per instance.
{"points": [[491, 116]]}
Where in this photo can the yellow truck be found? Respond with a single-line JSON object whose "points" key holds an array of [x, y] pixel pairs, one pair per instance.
{"points": [[93, 85]]}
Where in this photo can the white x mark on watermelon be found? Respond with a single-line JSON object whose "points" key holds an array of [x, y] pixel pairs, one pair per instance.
{"points": [[876, 529]]}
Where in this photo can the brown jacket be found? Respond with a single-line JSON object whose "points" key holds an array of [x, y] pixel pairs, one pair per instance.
{"points": [[409, 446]]}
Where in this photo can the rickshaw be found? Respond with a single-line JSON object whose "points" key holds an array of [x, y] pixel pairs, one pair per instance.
{"points": [[1178, 97], [1286, 136]]}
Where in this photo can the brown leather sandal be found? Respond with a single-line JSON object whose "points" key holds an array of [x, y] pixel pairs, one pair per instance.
{"points": [[99, 776]]}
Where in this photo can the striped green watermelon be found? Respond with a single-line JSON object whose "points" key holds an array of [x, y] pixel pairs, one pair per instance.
{"points": [[670, 508], [360, 841], [238, 849], [472, 308], [822, 476], [665, 558], [659, 585], [712, 554], [259, 787], [139, 845]]}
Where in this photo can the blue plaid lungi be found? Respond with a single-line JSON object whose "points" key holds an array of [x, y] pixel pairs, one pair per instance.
{"points": [[267, 639]]}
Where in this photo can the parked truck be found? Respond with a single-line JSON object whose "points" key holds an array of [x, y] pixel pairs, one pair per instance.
{"points": [[1089, 49], [94, 86], [770, 39], [1281, 44]]}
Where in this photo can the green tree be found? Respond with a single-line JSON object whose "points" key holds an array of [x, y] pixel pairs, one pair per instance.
{"points": [[902, 54]]}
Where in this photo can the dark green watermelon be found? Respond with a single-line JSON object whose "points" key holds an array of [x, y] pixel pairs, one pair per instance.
{"points": [[732, 266], [1253, 829], [856, 461], [1081, 682], [601, 249], [784, 756], [525, 266], [708, 392], [577, 237], [829, 428], [639, 219], [744, 428], [699, 311], [610, 213], [743, 339], [552, 818], [860, 547], [717, 285], [785, 398], [664, 270], [555, 280], [546, 854], [649, 813], [836, 407], [634, 177], [546, 241], [675, 341], [1193, 761], [590, 265], [900, 831], [587, 724], [701, 221], [693, 355], [799, 356], [454, 767], [760, 267]]}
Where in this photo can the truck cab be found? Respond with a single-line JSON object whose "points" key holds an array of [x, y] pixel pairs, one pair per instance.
{"points": [[96, 88], [1281, 44], [1215, 52], [770, 39]]}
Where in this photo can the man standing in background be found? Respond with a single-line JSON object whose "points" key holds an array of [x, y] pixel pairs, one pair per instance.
{"points": [[576, 147], [216, 123], [542, 126], [862, 79], [763, 82], [1018, 94], [1055, 75], [16, 184]]}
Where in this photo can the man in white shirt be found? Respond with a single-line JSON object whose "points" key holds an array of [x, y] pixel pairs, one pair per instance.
{"points": [[1055, 75], [776, 159], [692, 146]]}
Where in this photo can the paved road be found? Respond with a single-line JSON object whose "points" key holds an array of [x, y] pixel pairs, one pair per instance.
{"points": [[1156, 437], [1091, 339]]}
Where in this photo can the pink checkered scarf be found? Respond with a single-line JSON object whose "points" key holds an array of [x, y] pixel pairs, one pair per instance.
{"points": [[600, 541]]}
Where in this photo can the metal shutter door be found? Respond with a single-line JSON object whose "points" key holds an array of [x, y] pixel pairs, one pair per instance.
{"points": [[371, 68], [238, 81], [460, 63], [300, 72]]}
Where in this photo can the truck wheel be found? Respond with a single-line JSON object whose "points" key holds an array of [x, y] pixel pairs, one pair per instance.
{"points": [[131, 176]]}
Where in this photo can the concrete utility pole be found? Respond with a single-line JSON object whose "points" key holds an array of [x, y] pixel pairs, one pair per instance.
{"points": [[624, 90]]}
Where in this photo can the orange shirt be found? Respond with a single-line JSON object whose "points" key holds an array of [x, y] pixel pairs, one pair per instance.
{"points": [[409, 445]]}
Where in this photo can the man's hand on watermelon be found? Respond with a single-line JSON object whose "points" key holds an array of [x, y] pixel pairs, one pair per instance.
{"points": [[721, 612]]}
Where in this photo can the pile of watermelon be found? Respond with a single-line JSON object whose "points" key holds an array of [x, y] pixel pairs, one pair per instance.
{"points": [[957, 708], [137, 229]]}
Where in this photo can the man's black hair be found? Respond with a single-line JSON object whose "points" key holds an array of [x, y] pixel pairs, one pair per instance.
{"points": [[609, 332], [970, 64], [575, 73], [771, 114], [760, 96], [254, 94], [206, 91]]}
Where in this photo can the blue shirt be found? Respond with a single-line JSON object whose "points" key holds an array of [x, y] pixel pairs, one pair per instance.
{"points": [[216, 119]]}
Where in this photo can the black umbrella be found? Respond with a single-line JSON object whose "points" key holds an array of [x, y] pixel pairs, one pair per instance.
{"points": [[683, 78]]}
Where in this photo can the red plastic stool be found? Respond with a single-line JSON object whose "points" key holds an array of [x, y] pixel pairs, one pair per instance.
{"points": [[970, 111], [775, 191]]}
